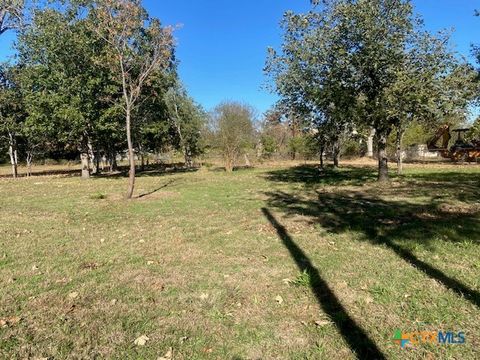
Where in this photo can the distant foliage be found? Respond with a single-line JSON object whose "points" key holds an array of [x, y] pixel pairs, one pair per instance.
{"points": [[347, 67], [474, 133], [234, 132]]}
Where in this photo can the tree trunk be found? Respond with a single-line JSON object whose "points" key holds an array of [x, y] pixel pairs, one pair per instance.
{"points": [[382, 158], [13, 160], [336, 154], [188, 157], [229, 164], [29, 164], [259, 150], [370, 144], [399, 141], [113, 161], [142, 160], [12, 152], [85, 165], [322, 149], [247, 161], [91, 158], [97, 163], [131, 154]]}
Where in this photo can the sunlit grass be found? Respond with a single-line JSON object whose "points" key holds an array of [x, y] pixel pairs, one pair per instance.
{"points": [[195, 266]]}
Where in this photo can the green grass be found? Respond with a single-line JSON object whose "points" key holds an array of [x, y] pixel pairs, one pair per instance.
{"points": [[197, 264]]}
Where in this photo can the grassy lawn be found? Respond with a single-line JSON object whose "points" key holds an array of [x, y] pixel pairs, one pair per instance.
{"points": [[268, 263]]}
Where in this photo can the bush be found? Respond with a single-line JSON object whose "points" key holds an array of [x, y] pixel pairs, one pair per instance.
{"points": [[353, 148], [269, 146]]}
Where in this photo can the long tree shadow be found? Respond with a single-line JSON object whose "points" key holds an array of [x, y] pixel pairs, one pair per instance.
{"points": [[357, 339], [141, 196], [395, 224]]}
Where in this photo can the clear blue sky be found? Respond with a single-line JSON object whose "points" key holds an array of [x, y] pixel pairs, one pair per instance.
{"points": [[222, 44]]}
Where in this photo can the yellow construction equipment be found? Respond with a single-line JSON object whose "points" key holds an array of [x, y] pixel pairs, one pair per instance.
{"points": [[461, 150]]}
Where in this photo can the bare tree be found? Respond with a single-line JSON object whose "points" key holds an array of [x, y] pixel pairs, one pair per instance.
{"points": [[139, 46]]}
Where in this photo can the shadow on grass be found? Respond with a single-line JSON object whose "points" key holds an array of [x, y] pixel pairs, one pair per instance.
{"points": [[157, 189], [463, 186], [399, 225], [312, 175], [149, 171], [354, 335], [122, 172], [235, 169], [61, 173]]}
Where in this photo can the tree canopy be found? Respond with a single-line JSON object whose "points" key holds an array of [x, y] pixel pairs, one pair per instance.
{"points": [[349, 64]]}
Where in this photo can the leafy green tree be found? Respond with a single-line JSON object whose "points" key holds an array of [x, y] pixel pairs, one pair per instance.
{"points": [[313, 76], [269, 145], [474, 133], [69, 100], [233, 123], [421, 90], [12, 115], [187, 119], [138, 46], [363, 62], [152, 129]]}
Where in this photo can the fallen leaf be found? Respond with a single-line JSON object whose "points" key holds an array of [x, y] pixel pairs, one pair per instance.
{"points": [[89, 266], [141, 341], [72, 309], [10, 321], [321, 323], [279, 300], [167, 356], [368, 299]]}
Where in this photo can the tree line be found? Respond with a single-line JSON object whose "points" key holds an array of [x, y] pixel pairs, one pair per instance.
{"points": [[96, 78], [350, 67], [93, 79]]}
